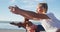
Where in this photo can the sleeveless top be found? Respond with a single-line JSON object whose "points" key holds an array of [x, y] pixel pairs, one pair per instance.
{"points": [[50, 25]]}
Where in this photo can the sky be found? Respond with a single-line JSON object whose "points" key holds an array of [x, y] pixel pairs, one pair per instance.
{"points": [[6, 15]]}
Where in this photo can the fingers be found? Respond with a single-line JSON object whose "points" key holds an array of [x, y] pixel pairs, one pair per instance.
{"points": [[13, 9], [10, 7]]}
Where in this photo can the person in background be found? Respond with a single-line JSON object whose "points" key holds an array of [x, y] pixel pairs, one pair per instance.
{"points": [[29, 26]]}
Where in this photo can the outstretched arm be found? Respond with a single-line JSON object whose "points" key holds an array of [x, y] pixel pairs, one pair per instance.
{"points": [[27, 14]]}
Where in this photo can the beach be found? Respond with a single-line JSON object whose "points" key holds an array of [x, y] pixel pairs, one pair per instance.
{"points": [[6, 27], [12, 30]]}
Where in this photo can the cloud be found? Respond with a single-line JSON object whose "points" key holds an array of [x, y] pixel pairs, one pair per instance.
{"points": [[25, 1], [29, 4], [12, 1]]}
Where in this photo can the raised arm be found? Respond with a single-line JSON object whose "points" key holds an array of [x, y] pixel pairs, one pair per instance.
{"points": [[27, 14]]}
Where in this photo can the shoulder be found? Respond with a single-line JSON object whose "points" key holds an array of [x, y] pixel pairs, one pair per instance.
{"points": [[51, 15]]}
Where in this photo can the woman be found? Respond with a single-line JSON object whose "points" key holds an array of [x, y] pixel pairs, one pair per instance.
{"points": [[46, 21], [50, 24]]}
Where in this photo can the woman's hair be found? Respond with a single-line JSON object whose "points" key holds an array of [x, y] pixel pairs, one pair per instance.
{"points": [[45, 6]]}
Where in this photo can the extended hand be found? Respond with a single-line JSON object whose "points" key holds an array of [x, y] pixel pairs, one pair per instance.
{"points": [[27, 14], [14, 9]]}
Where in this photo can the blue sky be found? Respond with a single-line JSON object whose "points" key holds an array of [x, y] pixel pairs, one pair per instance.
{"points": [[6, 15]]}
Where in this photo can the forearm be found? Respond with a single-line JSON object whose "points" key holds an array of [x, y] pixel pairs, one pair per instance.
{"points": [[32, 15], [28, 14], [24, 13]]}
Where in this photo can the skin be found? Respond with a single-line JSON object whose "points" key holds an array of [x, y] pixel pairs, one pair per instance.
{"points": [[26, 22], [29, 14], [39, 11], [58, 30], [36, 29]]}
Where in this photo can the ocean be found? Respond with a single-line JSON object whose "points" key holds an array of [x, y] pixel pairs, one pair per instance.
{"points": [[12, 30], [7, 27]]}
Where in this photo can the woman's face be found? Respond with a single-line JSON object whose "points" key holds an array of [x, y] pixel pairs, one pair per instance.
{"points": [[40, 9]]}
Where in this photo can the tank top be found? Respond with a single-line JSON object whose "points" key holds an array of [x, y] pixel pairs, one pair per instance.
{"points": [[50, 25]]}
